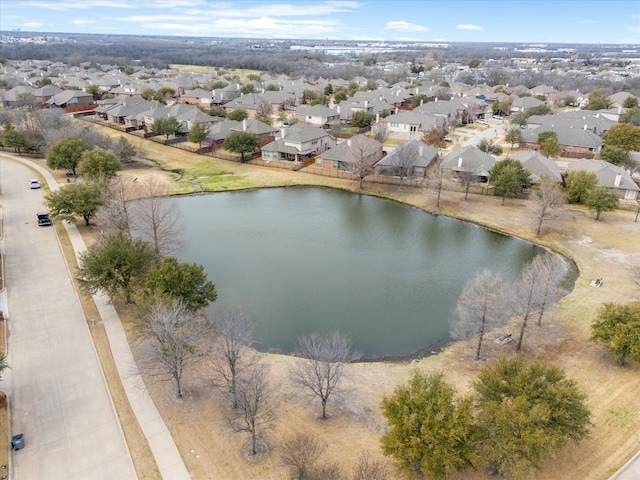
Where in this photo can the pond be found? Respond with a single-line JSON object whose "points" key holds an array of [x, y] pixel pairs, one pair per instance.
{"points": [[303, 260]]}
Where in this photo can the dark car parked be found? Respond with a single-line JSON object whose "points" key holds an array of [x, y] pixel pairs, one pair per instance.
{"points": [[43, 219]]}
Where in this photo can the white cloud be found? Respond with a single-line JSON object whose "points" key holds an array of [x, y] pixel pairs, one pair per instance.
{"points": [[32, 25], [591, 21], [439, 40], [77, 4], [469, 27], [405, 27], [82, 21]]}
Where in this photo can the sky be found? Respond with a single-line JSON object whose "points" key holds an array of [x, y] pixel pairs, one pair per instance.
{"points": [[526, 21]]}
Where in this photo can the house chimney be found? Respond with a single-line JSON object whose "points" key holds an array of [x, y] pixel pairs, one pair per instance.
{"points": [[619, 109], [585, 126], [377, 117], [435, 99], [283, 132], [244, 125], [396, 110], [416, 90], [459, 161], [616, 182], [366, 104], [420, 150], [348, 142], [421, 101]]}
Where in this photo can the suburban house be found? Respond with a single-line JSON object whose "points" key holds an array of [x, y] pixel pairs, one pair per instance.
{"points": [[253, 103], [407, 125], [578, 119], [537, 165], [618, 99], [187, 115], [575, 142], [520, 104], [298, 143], [611, 176], [221, 129], [468, 160], [199, 96], [355, 149], [43, 94], [411, 159], [318, 116], [118, 109], [70, 98], [455, 111]]}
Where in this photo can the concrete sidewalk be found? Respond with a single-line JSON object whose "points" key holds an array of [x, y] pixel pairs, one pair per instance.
{"points": [[160, 441]]}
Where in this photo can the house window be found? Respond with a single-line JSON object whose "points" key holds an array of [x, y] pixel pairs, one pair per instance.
{"points": [[413, 128], [418, 170], [314, 142], [308, 117], [336, 164]]}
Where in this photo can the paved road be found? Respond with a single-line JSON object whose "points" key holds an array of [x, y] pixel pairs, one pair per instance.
{"points": [[59, 398]]}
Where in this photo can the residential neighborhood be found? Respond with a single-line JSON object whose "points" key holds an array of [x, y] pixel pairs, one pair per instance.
{"points": [[534, 148]]}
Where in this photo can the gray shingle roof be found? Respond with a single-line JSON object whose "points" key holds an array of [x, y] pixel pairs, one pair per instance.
{"points": [[606, 173]]}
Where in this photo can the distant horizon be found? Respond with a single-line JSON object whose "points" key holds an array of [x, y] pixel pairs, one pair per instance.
{"points": [[589, 22], [293, 40]]}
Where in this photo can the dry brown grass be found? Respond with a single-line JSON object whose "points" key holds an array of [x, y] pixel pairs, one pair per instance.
{"points": [[606, 248]]}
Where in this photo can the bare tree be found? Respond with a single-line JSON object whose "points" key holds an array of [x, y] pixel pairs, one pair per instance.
{"points": [[438, 178], [235, 334], [321, 366], [552, 270], [369, 468], [256, 410], [158, 218], [300, 453], [117, 213], [481, 306], [547, 197], [176, 338], [380, 131], [635, 274], [468, 178], [403, 160], [361, 158]]}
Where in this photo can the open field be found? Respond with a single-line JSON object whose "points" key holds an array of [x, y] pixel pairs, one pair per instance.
{"points": [[241, 73], [606, 248]]}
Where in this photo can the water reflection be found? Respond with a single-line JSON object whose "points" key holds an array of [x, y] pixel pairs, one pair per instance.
{"points": [[299, 260]]}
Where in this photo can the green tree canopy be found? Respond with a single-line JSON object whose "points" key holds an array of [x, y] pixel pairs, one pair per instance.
{"points": [[580, 183], [13, 138], [217, 112], [328, 90], [238, 115], [601, 199], [199, 132], [630, 102], [75, 200], [617, 328], [99, 166], [632, 116], [116, 265], [550, 147], [488, 146], [241, 142], [124, 149], [614, 155], [598, 100], [513, 135], [527, 412], [187, 282], [430, 432], [66, 153], [166, 126], [248, 88], [543, 136], [625, 136], [361, 118], [508, 178], [340, 94]]}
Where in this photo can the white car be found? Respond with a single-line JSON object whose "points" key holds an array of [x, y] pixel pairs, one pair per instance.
{"points": [[482, 121], [34, 183]]}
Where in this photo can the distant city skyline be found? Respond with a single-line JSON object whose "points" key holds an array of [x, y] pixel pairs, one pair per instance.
{"points": [[521, 21]]}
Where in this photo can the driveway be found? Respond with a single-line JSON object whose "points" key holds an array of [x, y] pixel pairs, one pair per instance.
{"points": [[58, 396]]}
